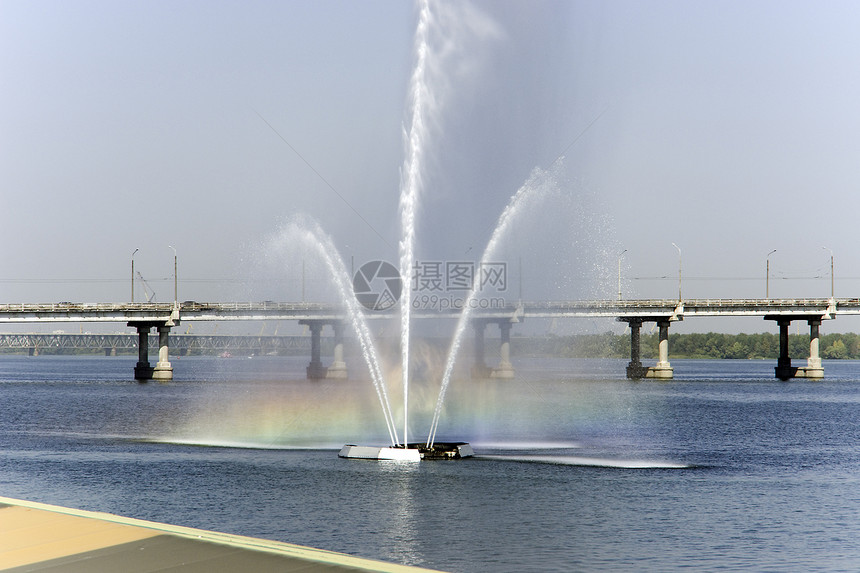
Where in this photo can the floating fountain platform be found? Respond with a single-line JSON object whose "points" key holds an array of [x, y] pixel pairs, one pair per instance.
{"points": [[414, 453], [380, 453]]}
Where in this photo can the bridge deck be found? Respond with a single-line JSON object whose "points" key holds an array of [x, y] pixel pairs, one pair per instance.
{"points": [[186, 311]]}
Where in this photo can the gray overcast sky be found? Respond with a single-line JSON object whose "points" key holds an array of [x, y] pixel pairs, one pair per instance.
{"points": [[728, 128]]}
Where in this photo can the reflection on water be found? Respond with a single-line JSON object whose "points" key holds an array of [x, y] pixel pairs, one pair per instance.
{"points": [[400, 534]]}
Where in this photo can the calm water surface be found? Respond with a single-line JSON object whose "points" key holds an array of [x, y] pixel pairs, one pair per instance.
{"points": [[578, 469]]}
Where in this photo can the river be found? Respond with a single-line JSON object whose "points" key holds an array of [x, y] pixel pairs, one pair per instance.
{"points": [[577, 469]]}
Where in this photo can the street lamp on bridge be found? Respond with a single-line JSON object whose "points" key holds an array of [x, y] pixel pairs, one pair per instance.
{"points": [[767, 276], [832, 285], [679, 271], [175, 279], [132, 273], [621, 254]]}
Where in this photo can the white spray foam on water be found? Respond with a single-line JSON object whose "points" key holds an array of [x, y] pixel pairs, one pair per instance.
{"points": [[241, 444], [530, 445], [590, 462]]}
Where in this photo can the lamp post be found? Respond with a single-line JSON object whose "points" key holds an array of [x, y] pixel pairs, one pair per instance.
{"points": [[621, 254], [679, 271], [175, 278], [767, 276], [132, 273], [832, 284]]}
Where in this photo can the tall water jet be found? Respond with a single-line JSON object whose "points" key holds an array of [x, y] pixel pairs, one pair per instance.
{"points": [[538, 184], [439, 55], [415, 135]]}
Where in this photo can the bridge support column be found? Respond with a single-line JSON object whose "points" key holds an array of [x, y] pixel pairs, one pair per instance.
{"points": [[635, 369], [315, 370], [505, 369], [813, 364], [784, 369], [663, 370], [480, 368], [142, 371], [163, 370], [813, 369], [337, 370]]}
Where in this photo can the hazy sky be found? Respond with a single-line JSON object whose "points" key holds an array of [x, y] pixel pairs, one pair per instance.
{"points": [[728, 128]]}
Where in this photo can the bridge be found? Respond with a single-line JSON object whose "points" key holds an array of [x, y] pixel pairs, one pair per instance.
{"points": [[181, 344], [316, 316]]}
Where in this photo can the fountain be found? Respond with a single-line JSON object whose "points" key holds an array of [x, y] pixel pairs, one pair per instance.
{"points": [[415, 138], [540, 182], [418, 130]]}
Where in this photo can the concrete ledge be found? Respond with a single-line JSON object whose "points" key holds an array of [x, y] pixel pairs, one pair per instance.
{"points": [[503, 372], [660, 372], [337, 371], [813, 373], [40, 537], [636, 371], [316, 372], [788, 372]]}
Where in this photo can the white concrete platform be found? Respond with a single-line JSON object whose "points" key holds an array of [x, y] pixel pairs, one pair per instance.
{"points": [[380, 453], [40, 537]]}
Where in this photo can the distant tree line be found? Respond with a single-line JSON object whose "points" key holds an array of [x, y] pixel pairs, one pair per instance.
{"points": [[706, 345]]}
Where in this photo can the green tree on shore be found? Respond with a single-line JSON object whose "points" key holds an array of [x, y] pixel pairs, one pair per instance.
{"points": [[694, 345]]}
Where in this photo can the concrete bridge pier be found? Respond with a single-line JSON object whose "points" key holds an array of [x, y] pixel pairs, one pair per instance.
{"points": [[142, 370], [784, 370], [480, 368], [662, 370], [635, 369], [163, 370], [505, 370], [315, 370], [337, 370], [813, 369], [813, 363]]}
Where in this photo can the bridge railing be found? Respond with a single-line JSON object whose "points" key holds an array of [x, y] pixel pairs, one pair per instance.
{"points": [[193, 310], [194, 306]]}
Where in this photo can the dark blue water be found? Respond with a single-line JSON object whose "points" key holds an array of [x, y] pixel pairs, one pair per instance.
{"points": [[723, 468]]}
